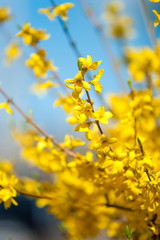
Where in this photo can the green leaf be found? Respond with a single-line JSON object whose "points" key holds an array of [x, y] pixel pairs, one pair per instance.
{"points": [[139, 142], [129, 83], [128, 231], [79, 64]]}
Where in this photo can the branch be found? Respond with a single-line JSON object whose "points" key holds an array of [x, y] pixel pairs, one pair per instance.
{"points": [[40, 130], [97, 122], [147, 21], [33, 195], [67, 33], [74, 47], [105, 40], [119, 207]]}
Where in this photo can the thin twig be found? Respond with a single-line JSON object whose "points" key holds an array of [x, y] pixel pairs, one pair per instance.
{"points": [[119, 207], [149, 83], [135, 120], [33, 195], [74, 46], [90, 101], [105, 40], [67, 33], [59, 80], [31, 122], [97, 122], [147, 21], [147, 172]]}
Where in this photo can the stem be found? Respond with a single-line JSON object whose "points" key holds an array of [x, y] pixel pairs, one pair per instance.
{"points": [[135, 120], [89, 100], [119, 207], [97, 122], [147, 21], [146, 170], [59, 80], [40, 130], [135, 130], [149, 82], [73, 45], [67, 33], [105, 40], [33, 195]]}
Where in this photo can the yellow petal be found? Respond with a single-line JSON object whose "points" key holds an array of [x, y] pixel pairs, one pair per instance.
{"points": [[6, 106]]}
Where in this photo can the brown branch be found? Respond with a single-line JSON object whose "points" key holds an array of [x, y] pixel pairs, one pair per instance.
{"points": [[149, 83], [119, 207], [147, 172], [97, 122], [40, 130], [90, 101], [33, 195]]}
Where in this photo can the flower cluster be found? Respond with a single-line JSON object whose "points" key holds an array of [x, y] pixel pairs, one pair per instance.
{"points": [[8, 183], [60, 10], [120, 25], [38, 61], [4, 14]]}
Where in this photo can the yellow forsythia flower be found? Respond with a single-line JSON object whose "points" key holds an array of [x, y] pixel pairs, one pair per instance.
{"points": [[39, 64], [60, 10], [48, 12], [4, 14], [122, 28], [7, 190], [95, 82], [154, 1], [12, 52], [141, 62], [114, 7], [157, 21], [41, 88], [87, 64], [6, 166], [72, 143], [66, 102], [31, 36], [6, 106], [101, 115], [77, 83]]}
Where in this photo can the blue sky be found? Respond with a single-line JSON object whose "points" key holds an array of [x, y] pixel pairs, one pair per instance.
{"points": [[17, 79]]}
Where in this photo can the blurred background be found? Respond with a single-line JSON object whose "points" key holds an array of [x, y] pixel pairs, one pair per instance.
{"points": [[16, 79]]}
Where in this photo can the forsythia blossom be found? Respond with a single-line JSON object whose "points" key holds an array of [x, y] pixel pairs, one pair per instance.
{"points": [[12, 52], [39, 64], [4, 14], [60, 10], [31, 36]]}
